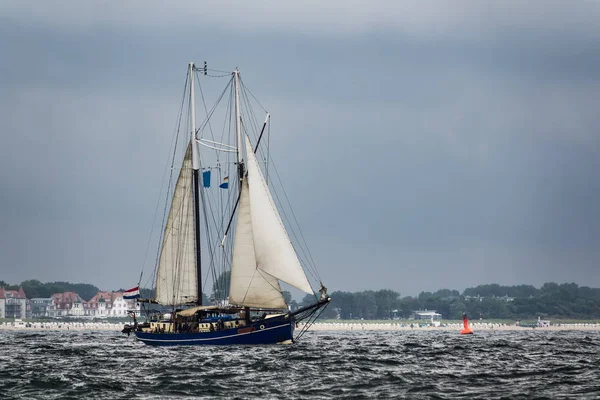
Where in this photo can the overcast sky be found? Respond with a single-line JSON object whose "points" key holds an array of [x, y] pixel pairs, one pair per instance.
{"points": [[424, 144]]}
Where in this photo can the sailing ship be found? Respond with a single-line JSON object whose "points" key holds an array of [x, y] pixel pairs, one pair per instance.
{"points": [[260, 258]]}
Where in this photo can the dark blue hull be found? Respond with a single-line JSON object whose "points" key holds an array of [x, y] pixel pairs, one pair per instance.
{"points": [[267, 331]]}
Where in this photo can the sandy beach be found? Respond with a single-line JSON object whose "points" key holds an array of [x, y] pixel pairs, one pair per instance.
{"points": [[476, 326], [61, 326]]}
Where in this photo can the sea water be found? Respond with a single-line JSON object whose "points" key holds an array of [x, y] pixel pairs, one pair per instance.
{"points": [[323, 365]]}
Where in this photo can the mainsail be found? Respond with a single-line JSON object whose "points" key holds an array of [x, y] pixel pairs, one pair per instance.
{"points": [[262, 251], [176, 276]]}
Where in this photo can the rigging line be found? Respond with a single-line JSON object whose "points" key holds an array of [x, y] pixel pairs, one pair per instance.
{"points": [[310, 322], [268, 149], [209, 116], [217, 76], [259, 151], [207, 203], [203, 196], [225, 206], [225, 120], [238, 196], [205, 70], [253, 124], [215, 222], [256, 148], [204, 200], [222, 272], [251, 115], [227, 73], [174, 144], [248, 288], [208, 123], [215, 269], [246, 88]]}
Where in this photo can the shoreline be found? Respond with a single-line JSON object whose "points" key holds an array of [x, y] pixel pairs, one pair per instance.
{"points": [[61, 326], [476, 326], [316, 327]]}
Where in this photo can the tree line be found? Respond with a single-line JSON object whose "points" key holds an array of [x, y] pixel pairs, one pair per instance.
{"points": [[493, 301], [34, 288]]}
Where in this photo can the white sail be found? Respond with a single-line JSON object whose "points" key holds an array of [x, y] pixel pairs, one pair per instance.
{"points": [[250, 286], [273, 249], [176, 278]]}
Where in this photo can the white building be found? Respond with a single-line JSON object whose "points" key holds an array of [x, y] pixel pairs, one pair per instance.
{"points": [[13, 303], [66, 304], [39, 306], [426, 314], [110, 304]]}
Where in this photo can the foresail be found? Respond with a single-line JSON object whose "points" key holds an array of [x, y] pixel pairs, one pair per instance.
{"points": [[250, 286], [176, 276], [274, 252]]}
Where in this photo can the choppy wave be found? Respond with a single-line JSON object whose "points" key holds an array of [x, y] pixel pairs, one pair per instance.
{"points": [[324, 365]]}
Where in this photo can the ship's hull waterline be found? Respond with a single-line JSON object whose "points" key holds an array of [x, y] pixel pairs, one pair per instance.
{"points": [[267, 331]]}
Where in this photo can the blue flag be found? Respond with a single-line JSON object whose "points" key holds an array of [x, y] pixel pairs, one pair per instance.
{"points": [[206, 179]]}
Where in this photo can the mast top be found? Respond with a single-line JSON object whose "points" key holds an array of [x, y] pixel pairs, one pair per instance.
{"points": [[238, 121], [195, 159]]}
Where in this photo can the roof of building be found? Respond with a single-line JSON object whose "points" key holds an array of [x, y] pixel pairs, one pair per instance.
{"points": [[101, 297], [15, 294], [66, 299]]}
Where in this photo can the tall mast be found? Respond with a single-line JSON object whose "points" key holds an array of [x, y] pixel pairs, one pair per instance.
{"points": [[238, 126], [195, 189]]}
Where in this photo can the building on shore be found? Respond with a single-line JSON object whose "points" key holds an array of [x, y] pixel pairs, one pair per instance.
{"points": [[426, 314], [102, 305], [13, 303], [39, 306], [542, 323], [65, 304], [110, 304]]}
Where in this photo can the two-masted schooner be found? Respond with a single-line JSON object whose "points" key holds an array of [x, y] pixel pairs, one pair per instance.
{"points": [[259, 259]]}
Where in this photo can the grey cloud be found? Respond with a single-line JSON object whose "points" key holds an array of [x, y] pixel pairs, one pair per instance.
{"points": [[458, 19], [447, 151]]}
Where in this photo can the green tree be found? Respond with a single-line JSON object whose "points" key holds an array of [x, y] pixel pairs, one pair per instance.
{"points": [[386, 300], [308, 300], [8, 287]]}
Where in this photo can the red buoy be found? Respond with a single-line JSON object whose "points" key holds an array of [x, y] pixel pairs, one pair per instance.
{"points": [[466, 330]]}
